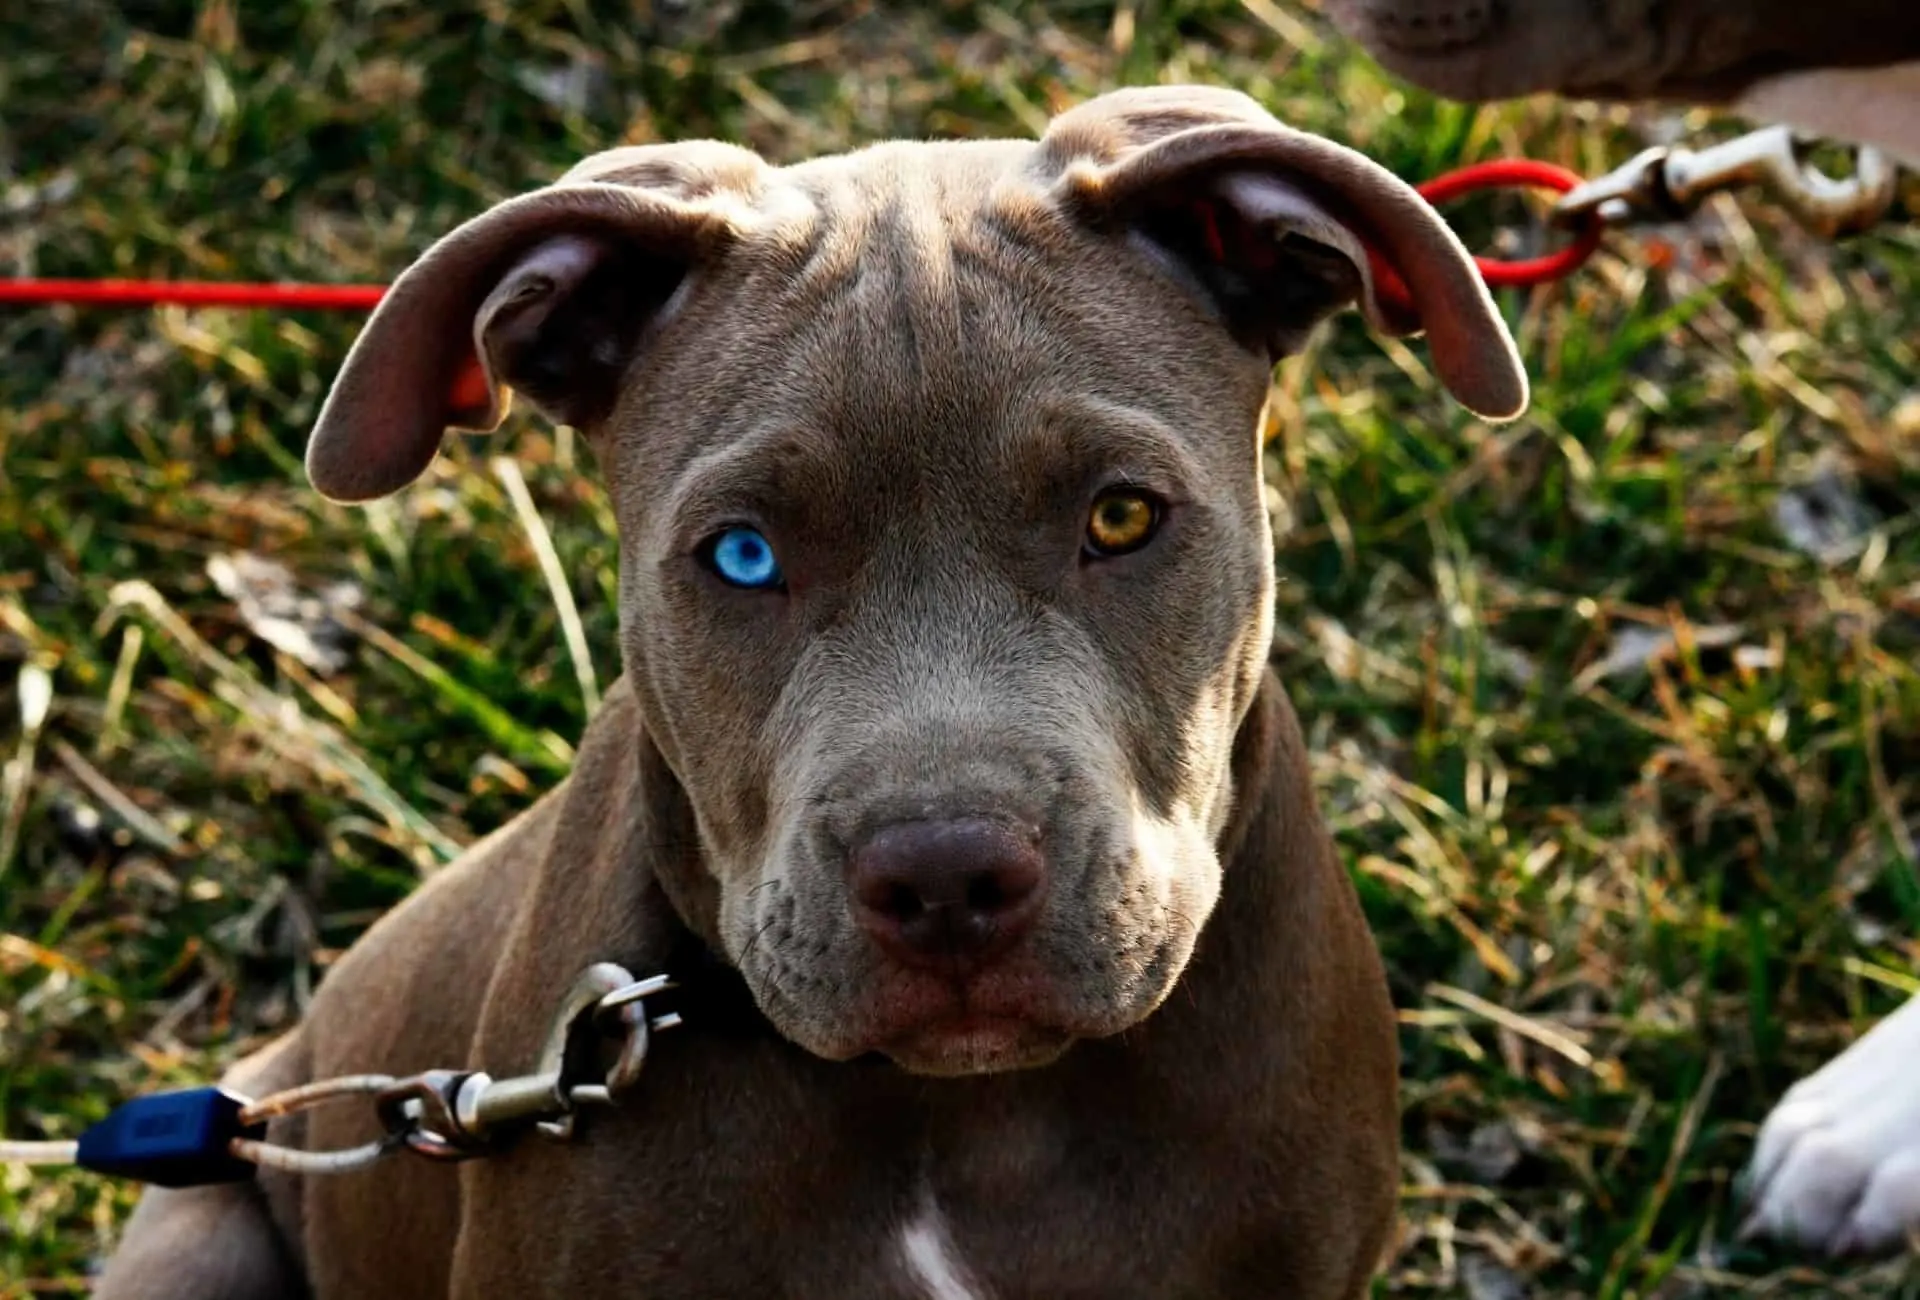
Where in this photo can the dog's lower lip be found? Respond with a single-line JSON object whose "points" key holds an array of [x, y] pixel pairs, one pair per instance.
{"points": [[973, 1043], [928, 1006], [974, 1028], [935, 1014], [973, 1022], [967, 1024]]}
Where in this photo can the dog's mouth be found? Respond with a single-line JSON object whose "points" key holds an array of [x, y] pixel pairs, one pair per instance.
{"points": [[1001, 1020], [975, 1043], [1014, 1016], [845, 974]]}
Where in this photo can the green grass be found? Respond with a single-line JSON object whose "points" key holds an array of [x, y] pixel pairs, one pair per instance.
{"points": [[1623, 911]]}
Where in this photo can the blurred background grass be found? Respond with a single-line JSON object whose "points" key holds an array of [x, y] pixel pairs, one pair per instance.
{"points": [[1616, 708]]}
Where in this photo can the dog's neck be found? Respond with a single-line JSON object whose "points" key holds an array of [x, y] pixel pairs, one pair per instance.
{"points": [[710, 995]]}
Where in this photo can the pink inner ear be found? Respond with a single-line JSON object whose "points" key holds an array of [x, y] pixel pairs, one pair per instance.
{"points": [[1227, 237], [469, 394]]}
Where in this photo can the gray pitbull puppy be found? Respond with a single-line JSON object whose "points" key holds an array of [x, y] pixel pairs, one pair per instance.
{"points": [[947, 744]]}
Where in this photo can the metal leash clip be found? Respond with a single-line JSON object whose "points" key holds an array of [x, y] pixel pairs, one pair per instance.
{"points": [[459, 1114], [197, 1137], [1666, 184]]}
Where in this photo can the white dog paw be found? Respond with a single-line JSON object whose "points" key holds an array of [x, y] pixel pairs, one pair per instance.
{"points": [[1837, 1166]]}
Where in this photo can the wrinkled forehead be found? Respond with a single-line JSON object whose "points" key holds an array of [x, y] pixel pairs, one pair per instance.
{"points": [[930, 308]]}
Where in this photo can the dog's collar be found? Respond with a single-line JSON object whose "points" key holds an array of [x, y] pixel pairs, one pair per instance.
{"points": [[709, 995]]}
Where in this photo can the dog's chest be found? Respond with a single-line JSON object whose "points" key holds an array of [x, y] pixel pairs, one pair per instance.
{"points": [[831, 1248], [781, 1190]]}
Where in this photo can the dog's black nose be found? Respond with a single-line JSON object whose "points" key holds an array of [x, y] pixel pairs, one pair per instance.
{"points": [[947, 894]]}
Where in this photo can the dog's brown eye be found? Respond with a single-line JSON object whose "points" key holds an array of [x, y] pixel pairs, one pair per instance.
{"points": [[1122, 520]]}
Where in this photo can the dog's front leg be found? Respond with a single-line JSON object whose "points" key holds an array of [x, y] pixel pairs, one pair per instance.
{"points": [[212, 1243], [201, 1243]]}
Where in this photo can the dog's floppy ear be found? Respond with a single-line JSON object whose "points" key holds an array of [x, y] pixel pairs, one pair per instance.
{"points": [[1279, 228], [546, 293]]}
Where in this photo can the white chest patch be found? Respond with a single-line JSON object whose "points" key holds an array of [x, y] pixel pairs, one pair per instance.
{"points": [[927, 1249]]}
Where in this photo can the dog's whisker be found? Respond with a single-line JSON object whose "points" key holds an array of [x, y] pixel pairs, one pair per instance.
{"points": [[767, 987]]}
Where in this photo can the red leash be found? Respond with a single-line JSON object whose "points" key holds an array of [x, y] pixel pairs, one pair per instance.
{"points": [[193, 293], [1515, 173], [1518, 174], [1501, 174]]}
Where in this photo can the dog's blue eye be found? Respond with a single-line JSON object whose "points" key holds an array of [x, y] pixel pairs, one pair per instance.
{"points": [[742, 557]]}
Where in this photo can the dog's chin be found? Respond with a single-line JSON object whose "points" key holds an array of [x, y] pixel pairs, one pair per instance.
{"points": [[1018, 1015], [941, 1035], [971, 1045]]}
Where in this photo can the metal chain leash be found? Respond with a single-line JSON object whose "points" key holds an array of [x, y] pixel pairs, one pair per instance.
{"points": [[1659, 185], [595, 1050]]}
